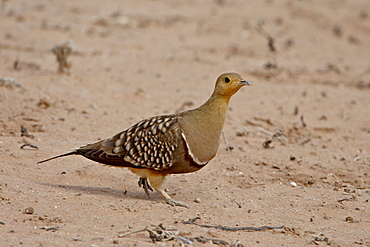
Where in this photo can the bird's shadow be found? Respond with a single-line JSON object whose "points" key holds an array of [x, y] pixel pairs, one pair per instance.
{"points": [[122, 194]]}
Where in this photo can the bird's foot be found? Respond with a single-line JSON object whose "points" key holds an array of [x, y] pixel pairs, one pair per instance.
{"points": [[143, 182], [172, 202]]}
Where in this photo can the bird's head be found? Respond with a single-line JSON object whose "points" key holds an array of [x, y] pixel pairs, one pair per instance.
{"points": [[228, 84]]}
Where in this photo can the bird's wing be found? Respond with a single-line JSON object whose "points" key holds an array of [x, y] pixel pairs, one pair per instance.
{"points": [[148, 144]]}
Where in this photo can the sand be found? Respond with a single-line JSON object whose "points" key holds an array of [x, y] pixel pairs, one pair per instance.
{"points": [[300, 134]]}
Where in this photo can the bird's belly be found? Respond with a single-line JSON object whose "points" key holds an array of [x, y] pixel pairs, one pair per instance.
{"points": [[185, 168]]}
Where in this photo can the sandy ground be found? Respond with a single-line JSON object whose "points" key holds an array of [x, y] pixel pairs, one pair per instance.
{"points": [[300, 134]]}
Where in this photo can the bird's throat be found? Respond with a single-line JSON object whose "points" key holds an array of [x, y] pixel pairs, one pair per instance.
{"points": [[202, 128]]}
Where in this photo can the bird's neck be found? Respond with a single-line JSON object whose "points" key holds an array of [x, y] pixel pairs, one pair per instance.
{"points": [[213, 111], [202, 128]]}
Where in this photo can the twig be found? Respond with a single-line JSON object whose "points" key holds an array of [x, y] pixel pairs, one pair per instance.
{"points": [[10, 83], [265, 131], [268, 121], [270, 43], [6, 82], [160, 236], [228, 147], [279, 135], [302, 121], [304, 142], [19, 65], [185, 240], [29, 145], [62, 51], [245, 228], [54, 228], [344, 199], [24, 132], [132, 232], [296, 110], [237, 203], [160, 233], [202, 239]]}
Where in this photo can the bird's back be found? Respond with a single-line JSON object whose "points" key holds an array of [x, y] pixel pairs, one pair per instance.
{"points": [[155, 143]]}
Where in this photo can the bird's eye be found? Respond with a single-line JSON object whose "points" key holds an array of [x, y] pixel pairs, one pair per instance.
{"points": [[227, 79]]}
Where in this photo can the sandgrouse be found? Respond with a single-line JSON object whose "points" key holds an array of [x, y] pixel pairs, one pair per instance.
{"points": [[168, 144]]}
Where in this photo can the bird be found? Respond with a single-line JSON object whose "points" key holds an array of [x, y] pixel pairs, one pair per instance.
{"points": [[178, 143]]}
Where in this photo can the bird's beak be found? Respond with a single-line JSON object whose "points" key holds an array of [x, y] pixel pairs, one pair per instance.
{"points": [[245, 83]]}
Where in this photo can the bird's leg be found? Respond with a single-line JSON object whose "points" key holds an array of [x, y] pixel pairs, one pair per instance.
{"points": [[170, 201], [156, 180], [143, 182]]}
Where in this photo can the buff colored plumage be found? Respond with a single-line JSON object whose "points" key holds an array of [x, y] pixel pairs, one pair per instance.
{"points": [[168, 144]]}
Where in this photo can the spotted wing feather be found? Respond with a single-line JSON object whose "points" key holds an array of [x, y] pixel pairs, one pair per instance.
{"points": [[148, 144]]}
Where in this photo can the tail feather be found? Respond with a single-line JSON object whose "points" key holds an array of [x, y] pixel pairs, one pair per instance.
{"points": [[62, 155]]}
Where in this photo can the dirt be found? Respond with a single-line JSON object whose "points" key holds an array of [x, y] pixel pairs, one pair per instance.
{"points": [[300, 134]]}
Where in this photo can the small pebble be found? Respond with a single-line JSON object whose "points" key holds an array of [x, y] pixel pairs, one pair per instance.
{"points": [[197, 200], [29, 210], [293, 184]]}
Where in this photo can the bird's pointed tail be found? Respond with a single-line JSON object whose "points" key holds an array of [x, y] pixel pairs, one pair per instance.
{"points": [[62, 155]]}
